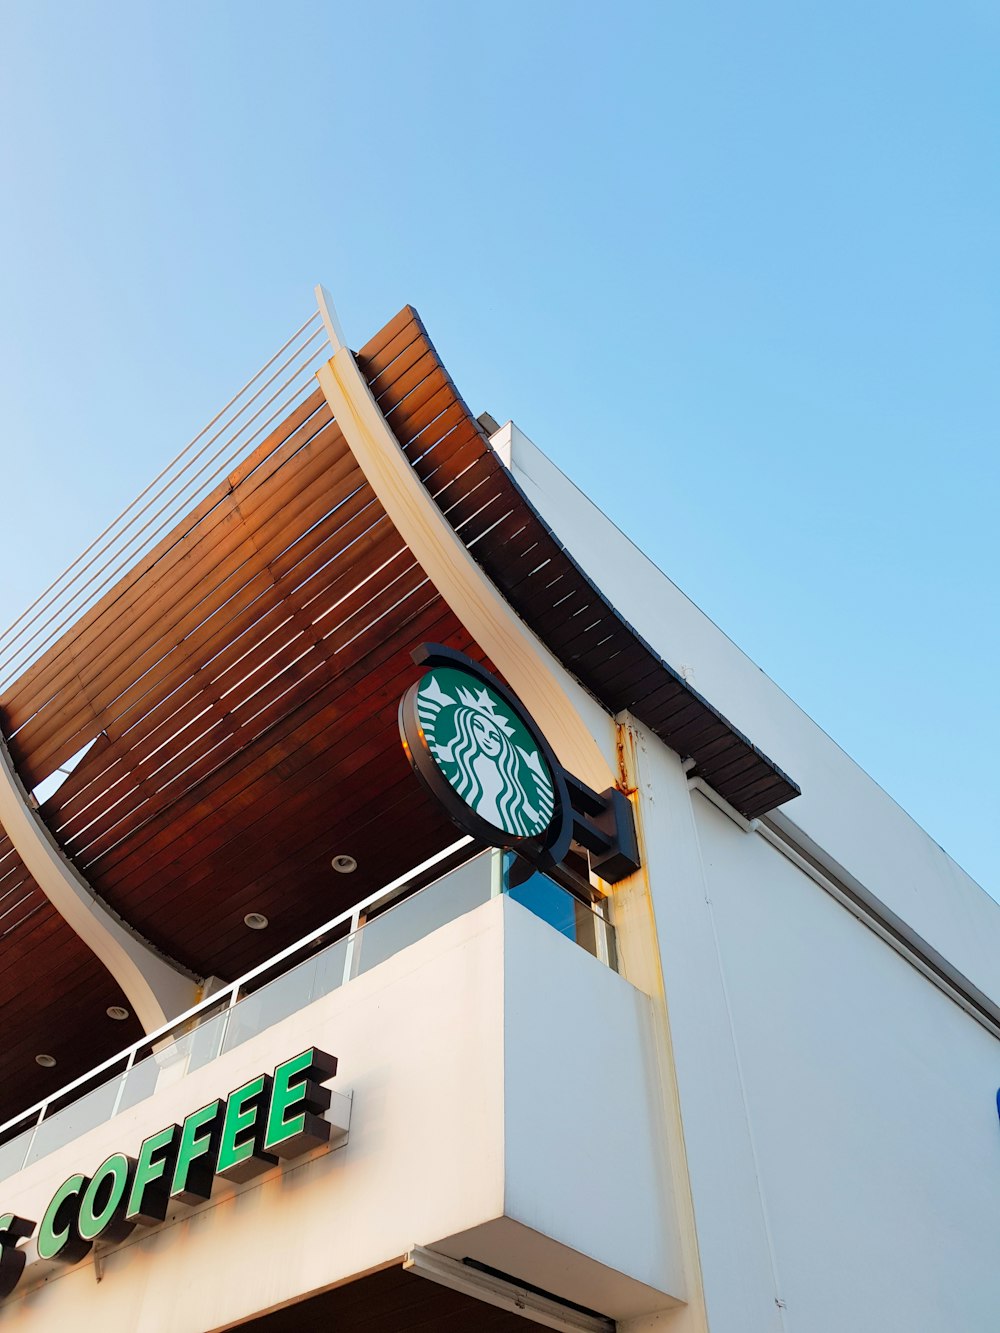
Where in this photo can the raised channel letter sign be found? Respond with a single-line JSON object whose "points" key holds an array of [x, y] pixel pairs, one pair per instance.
{"points": [[270, 1117], [476, 748]]}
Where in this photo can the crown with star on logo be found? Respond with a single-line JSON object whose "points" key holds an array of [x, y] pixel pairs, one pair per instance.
{"points": [[481, 701]]}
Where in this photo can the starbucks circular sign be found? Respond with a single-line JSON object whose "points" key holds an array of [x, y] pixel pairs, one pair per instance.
{"points": [[481, 755]]}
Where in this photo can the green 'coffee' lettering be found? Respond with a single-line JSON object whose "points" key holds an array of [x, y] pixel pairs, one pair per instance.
{"points": [[297, 1103], [282, 1114], [196, 1154], [102, 1208], [241, 1147], [58, 1237], [150, 1194]]}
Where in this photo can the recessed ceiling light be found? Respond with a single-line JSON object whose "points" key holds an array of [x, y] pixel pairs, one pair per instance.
{"points": [[117, 1012], [46, 1061], [255, 920], [344, 864]]}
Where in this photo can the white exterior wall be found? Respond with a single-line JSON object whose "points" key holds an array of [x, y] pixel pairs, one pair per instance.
{"points": [[869, 1097], [516, 1102], [732, 1240], [486, 1062], [838, 1108], [586, 1160], [842, 816]]}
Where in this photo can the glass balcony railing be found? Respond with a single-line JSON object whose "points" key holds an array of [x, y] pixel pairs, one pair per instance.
{"points": [[372, 932]]}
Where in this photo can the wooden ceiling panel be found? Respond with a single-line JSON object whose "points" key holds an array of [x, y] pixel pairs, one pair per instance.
{"points": [[237, 690], [54, 996], [203, 811]]}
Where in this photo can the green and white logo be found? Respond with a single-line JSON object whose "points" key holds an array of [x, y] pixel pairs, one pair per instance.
{"points": [[485, 752]]}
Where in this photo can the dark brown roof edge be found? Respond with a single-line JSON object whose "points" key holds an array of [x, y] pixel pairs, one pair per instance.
{"points": [[607, 655], [792, 787]]}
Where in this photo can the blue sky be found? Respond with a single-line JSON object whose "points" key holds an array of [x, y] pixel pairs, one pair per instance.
{"points": [[775, 223]]}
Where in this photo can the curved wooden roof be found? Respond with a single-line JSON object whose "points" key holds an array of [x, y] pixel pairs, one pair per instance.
{"points": [[238, 689], [553, 595]]}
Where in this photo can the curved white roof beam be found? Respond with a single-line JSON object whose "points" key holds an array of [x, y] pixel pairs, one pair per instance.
{"points": [[580, 732], [158, 990]]}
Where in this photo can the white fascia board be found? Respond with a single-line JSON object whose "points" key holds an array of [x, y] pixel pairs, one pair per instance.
{"points": [[844, 817], [479, 1069]]}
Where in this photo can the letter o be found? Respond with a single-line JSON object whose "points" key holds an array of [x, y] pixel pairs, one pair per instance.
{"points": [[102, 1208]]}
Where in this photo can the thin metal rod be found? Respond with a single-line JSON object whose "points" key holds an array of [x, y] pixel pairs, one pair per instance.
{"points": [[63, 592], [232, 446], [68, 570], [120, 1093], [33, 1135], [353, 951], [27, 657]]}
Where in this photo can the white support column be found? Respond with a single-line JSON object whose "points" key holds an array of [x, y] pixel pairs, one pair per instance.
{"points": [[579, 730], [668, 926], [583, 736], [157, 989]]}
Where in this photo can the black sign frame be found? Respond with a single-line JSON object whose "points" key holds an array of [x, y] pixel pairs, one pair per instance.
{"points": [[601, 823], [546, 850]]}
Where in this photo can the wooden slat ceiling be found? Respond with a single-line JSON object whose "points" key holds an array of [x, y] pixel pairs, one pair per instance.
{"points": [[55, 994], [235, 694], [545, 585], [238, 693]]}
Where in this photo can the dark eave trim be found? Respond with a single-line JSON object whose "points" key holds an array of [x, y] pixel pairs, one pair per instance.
{"points": [[542, 581]]}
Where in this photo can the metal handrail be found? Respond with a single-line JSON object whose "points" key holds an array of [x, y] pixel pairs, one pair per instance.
{"points": [[217, 999]]}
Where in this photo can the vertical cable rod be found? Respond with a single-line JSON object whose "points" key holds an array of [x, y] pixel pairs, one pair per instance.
{"points": [[292, 366]]}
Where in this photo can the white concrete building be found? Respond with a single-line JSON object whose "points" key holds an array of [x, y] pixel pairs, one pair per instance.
{"points": [[747, 1087]]}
